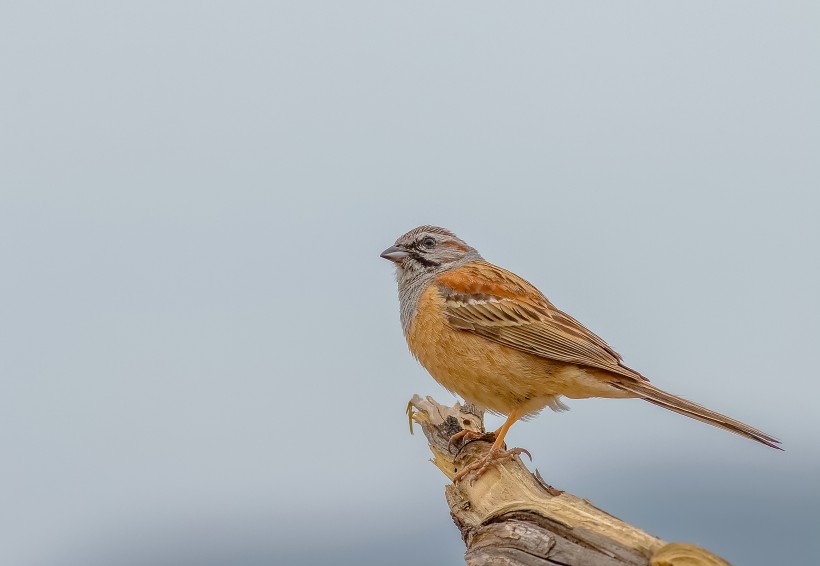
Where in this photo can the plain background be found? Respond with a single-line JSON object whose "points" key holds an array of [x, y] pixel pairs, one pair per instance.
{"points": [[200, 356]]}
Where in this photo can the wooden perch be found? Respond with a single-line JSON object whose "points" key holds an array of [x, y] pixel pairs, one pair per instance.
{"points": [[510, 517]]}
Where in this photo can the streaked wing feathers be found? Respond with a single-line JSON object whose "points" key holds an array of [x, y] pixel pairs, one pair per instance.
{"points": [[502, 307]]}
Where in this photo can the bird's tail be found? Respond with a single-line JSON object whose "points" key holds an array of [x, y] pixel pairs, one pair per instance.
{"points": [[649, 392]]}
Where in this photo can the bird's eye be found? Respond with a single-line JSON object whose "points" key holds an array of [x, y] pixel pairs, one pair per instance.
{"points": [[428, 242]]}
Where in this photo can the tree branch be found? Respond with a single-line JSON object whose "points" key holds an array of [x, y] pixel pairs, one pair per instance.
{"points": [[510, 517]]}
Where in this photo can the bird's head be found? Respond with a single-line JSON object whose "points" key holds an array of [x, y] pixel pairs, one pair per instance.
{"points": [[430, 250]]}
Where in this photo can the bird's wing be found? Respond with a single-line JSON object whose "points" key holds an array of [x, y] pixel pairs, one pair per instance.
{"points": [[501, 306]]}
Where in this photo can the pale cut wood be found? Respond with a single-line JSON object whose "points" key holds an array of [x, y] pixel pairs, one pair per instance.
{"points": [[510, 517]]}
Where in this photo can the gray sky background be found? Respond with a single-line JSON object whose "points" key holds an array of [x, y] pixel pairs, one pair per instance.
{"points": [[201, 360]]}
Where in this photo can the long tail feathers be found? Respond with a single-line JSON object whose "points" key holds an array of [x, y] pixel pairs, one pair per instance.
{"points": [[666, 400]]}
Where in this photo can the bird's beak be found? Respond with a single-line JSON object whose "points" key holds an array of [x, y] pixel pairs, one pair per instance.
{"points": [[394, 254]]}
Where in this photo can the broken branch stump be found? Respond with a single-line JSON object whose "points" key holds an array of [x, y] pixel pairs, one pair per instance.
{"points": [[510, 517]]}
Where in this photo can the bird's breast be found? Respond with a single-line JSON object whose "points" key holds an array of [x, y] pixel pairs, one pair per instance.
{"points": [[483, 372]]}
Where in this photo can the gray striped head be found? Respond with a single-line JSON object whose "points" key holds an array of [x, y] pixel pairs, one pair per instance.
{"points": [[429, 249], [420, 256]]}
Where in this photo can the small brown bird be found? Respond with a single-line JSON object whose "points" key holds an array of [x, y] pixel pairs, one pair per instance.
{"points": [[494, 339]]}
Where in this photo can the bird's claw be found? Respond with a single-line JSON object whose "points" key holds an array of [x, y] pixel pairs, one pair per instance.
{"points": [[468, 436], [474, 470]]}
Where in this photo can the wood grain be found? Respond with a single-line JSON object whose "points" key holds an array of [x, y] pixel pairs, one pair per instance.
{"points": [[510, 517]]}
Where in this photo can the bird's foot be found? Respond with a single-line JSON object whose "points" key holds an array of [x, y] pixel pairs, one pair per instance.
{"points": [[467, 436], [474, 470]]}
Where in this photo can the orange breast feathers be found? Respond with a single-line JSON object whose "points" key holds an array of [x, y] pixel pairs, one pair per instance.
{"points": [[476, 331]]}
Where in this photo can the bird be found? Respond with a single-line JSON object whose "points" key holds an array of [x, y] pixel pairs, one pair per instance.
{"points": [[491, 337]]}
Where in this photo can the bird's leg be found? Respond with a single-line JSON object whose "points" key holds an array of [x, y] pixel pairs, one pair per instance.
{"points": [[496, 452]]}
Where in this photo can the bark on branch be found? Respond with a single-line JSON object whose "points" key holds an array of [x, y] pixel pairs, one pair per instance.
{"points": [[510, 517]]}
